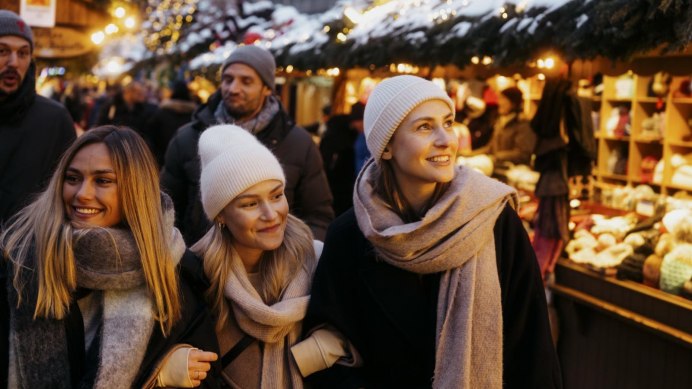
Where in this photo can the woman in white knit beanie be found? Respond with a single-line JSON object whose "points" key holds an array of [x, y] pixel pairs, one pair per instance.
{"points": [[259, 259], [431, 276]]}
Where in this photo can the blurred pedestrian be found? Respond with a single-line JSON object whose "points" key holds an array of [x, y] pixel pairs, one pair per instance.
{"points": [[129, 108], [171, 115], [318, 128], [360, 147], [513, 140], [338, 155]]}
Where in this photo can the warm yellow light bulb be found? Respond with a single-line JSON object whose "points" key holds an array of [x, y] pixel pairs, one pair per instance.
{"points": [[130, 22], [119, 12], [98, 37], [111, 29]]}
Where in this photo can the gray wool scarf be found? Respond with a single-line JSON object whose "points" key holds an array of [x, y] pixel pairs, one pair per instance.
{"points": [[108, 262], [278, 326], [255, 124], [454, 237]]}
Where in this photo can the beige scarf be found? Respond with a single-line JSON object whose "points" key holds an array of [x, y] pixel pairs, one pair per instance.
{"points": [[278, 326], [455, 237]]}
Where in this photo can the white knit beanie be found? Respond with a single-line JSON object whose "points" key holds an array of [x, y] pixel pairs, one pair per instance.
{"points": [[233, 160], [390, 102]]}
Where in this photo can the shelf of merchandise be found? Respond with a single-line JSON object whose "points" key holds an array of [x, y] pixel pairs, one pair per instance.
{"points": [[677, 133]]}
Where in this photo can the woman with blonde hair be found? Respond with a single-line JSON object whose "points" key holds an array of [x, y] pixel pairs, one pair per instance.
{"points": [[431, 276], [90, 290], [259, 260]]}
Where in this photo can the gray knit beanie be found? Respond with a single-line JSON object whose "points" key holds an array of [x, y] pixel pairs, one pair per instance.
{"points": [[257, 58], [390, 102], [12, 24], [233, 160]]}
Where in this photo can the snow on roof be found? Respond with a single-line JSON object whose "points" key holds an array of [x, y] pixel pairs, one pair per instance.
{"points": [[358, 32]]}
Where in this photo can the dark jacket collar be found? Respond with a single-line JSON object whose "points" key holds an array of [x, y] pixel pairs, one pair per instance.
{"points": [[270, 136], [17, 104]]}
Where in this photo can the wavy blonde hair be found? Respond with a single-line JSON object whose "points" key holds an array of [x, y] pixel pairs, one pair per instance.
{"points": [[277, 267], [41, 230]]}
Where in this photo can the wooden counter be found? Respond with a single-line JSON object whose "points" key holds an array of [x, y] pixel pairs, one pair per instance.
{"points": [[620, 334]]}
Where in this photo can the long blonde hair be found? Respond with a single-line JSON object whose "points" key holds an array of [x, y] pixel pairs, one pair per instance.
{"points": [[277, 267], [41, 231]]}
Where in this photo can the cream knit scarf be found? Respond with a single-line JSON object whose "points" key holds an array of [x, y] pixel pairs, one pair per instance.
{"points": [[278, 326], [454, 237]]}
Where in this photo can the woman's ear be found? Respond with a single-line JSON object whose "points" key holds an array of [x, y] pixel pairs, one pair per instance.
{"points": [[387, 153]]}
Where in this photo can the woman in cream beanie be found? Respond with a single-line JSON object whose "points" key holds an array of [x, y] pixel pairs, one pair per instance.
{"points": [[431, 276], [259, 259]]}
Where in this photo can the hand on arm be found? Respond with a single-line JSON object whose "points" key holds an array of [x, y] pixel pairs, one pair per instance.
{"points": [[198, 364], [186, 367]]}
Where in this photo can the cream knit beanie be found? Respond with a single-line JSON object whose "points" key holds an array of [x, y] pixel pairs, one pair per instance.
{"points": [[390, 102], [233, 160]]}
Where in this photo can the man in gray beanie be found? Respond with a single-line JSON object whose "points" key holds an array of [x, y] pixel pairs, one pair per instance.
{"points": [[246, 98], [34, 131]]}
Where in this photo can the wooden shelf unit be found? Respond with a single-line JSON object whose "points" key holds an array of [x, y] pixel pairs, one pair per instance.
{"points": [[676, 134]]}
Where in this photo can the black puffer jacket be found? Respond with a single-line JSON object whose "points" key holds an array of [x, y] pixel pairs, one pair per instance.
{"points": [[306, 190], [34, 132]]}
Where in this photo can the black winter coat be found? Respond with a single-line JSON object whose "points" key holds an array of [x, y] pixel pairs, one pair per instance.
{"points": [[30, 147], [195, 327], [116, 112], [162, 125], [306, 188], [338, 155], [389, 314]]}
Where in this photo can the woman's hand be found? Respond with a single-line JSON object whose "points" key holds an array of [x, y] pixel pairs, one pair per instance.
{"points": [[198, 365]]}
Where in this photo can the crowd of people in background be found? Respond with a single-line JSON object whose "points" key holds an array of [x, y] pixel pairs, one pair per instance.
{"points": [[174, 243]]}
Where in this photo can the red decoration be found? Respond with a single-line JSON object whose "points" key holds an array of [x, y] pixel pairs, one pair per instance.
{"points": [[251, 37]]}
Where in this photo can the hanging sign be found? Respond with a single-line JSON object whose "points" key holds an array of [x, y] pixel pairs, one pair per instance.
{"points": [[38, 13], [60, 42]]}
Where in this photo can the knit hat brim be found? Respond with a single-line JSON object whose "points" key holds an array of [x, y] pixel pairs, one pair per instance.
{"points": [[233, 160], [390, 103], [13, 24], [259, 59]]}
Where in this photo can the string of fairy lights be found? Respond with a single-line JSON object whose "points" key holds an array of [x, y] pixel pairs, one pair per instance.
{"points": [[165, 20]]}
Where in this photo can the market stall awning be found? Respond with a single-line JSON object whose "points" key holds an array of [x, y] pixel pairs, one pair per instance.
{"points": [[443, 32], [374, 34]]}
